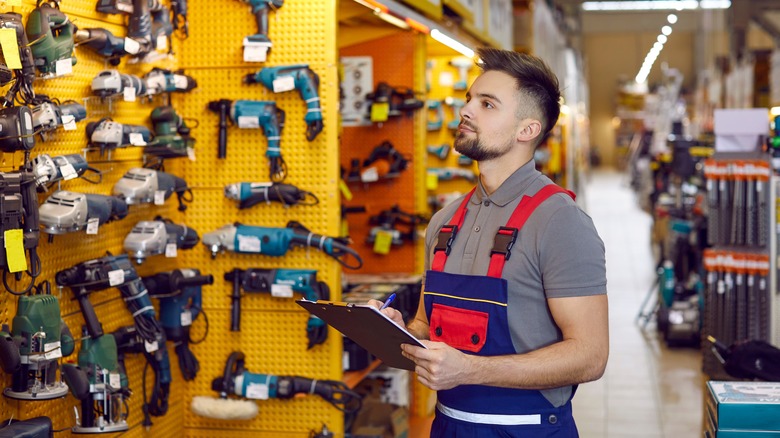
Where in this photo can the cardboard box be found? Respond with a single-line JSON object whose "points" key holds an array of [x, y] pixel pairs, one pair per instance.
{"points": [[744, 406], [395, 385], [377, 418]]}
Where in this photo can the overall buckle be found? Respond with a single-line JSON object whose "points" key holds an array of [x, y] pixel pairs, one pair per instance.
{"points": [[503, 242], [445, 238]]}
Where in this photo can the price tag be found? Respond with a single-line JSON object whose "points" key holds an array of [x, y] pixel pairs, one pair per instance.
{"points": [[191, 153], [170, 250], [284, 83], [281, 291], [162, 43], [52, 350], [762, 283], [92, 225], [14, 250], [446, 79], [116, 277], [345, 191], [159, 197], [431, 181], [115, 380], [382, 242], [137, 139], [132, 46], [128, 94], [370, 175], [344, 228], [63, 67], [254, 52], [248, 244], [151, 347], [345, 360], [10, 46], [186, 318], [751, 281], [257, 391], [68, 172], [69, 122], [248, 122], [180, 82], [380, 111]]}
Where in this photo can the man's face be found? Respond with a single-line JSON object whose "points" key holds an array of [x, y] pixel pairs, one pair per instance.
{"points": [[489, 120]]}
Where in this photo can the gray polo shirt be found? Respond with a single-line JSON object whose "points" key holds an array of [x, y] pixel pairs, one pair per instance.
{"points": [[558, 253]]}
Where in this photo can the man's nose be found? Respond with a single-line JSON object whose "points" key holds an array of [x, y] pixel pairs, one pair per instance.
{"points": [[465, 111]]}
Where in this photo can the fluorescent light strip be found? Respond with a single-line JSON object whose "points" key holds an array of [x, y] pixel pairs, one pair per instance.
{"points": [[452, 43], [653, 5]]}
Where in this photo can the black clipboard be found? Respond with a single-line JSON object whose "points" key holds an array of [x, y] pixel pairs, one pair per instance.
{"points": [[368, 327]]}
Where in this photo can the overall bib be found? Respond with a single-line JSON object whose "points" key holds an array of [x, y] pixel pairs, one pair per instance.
{"points": [[469, 312]]}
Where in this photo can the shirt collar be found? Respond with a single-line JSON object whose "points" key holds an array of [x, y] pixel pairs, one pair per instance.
{"points": [[514, 186]]}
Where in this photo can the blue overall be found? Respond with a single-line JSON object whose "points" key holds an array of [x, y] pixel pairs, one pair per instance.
{"points": [[469, 312]]}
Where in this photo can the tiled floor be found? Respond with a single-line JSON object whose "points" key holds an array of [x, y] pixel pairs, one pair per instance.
{"points": [[647, 390]]}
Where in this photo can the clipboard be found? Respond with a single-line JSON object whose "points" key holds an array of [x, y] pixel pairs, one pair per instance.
{"points": [[368, 327]]}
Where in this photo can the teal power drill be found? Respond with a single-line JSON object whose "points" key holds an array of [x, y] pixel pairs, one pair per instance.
{"points": [[265, 115], [171, 135], [39, 337], [50, 35], [257, 46], [280, 283], [299, 77]]}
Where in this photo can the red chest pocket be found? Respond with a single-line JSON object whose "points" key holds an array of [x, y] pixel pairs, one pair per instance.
{"points": [[463, 329]]}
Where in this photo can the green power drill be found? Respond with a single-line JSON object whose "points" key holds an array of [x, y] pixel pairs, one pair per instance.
{"points": [[50, 35], [171, 135], [280, 283], [299, 77]]}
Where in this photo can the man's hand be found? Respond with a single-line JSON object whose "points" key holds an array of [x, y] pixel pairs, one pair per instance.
{"points": [[393, 314], [440, 366]]}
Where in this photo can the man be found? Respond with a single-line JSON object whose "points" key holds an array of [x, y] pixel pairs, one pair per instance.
{"points": [[514, 306]]}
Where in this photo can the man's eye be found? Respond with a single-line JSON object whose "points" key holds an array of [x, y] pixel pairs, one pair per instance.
{"points": [[487, 105]]}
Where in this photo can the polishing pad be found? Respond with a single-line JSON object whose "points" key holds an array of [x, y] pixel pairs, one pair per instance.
{"points": [[224, 408]]}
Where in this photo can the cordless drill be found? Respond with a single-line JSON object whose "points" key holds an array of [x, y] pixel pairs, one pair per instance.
{"points": [[171, 135], [50, 35], [280, 283], [181, 302], [299, 77], [257, 46]]}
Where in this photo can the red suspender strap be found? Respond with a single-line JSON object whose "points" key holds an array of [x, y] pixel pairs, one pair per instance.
{"points": [[506, 236], [447, 235]]}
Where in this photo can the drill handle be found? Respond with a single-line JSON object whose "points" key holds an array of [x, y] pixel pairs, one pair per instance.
{"points": [[94, 328], [224, 115], [235, 299]]}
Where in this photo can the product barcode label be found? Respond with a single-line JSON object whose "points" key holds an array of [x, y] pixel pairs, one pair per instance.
{"points": [[186, 318], [257, 391], [281, 291], [116, 277], [284, 83], [92, 225]]}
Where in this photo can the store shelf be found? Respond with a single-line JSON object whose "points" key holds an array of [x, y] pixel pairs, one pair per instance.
{"points": [[352, 378]]}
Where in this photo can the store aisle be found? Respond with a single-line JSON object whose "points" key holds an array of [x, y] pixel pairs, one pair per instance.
{"points": [[647, 390]]}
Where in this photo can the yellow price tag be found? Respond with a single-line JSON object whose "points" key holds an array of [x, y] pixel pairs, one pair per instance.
{"points": [[10, 46], [14, 250], [382, 242], [431, 181], [345, 192], [344, 228], [380, 111]]}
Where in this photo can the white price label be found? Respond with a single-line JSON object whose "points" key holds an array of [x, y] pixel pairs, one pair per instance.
{"points": [[281, 291], [92, 225], [180, 82], [284, 83], [137, 139], [257, 391], [186, 318], [248, 122], [159, 197], [162, 43], [128, 94], [68, 172], [255, 52], [170, 250], [345, 361], [762, 283], [191, 153], [52, 350], [248, 244], [69, 122], [369, 175], [132, 46], [151, 347], [63, 67], [116, 277], [115, 380]]}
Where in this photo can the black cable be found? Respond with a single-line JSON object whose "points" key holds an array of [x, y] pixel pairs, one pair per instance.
{"points": [[188, 363], [205, 317]]}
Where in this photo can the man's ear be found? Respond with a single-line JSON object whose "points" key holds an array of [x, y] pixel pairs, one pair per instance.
{"points": [[529, 130]]}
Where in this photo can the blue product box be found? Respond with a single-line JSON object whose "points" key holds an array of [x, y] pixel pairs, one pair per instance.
{"points": [[748, 407]]}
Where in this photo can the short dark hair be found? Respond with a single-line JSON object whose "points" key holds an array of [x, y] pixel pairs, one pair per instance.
{"points": [[533, 78]]}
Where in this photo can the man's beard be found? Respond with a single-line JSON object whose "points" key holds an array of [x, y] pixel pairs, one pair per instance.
{"points": [[474, 149]]}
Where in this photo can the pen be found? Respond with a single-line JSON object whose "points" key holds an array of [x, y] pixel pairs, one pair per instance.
{"points": [[388, 301]]}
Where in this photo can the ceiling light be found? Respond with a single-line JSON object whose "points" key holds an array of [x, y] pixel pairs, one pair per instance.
{"points": [[671, 18], [452, 43], [654, 5], [662, 39], [658, 46], [666, 30]]}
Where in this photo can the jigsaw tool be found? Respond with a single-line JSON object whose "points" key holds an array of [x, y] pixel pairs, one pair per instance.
{"points": [[160, 236], [171, 135], [388, 220], [251, 239], [50, 36], [129, 341], [48, 116], [16, 126], [48, 170], [106, 134], [181, 302], [110, 83], [22, 88], [100, 384], [19, 228], [236, 380], [31, 349], [280, 283], [250, 194], [159, 80], [66, 211], [299, 77], [265, 115], [105, 44], [145, 186], [257, 46]]}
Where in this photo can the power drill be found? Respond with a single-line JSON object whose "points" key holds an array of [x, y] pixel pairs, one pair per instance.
{"points": [[456, 105], [181, 302], [16, 126], [26, 74], [50, 35], [160, 236], [48, 170], [65, 211], [145, 186], [110, 83], [106, 134], [257, 46], [159, 80], [48, 116], [265, 115], [104, 43], [100, 383], [19, 215], [280, 283], [250, 194], [300, 77], [30, 351], [249, 239], [171, 135], [222, 108], [388, 221]]}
